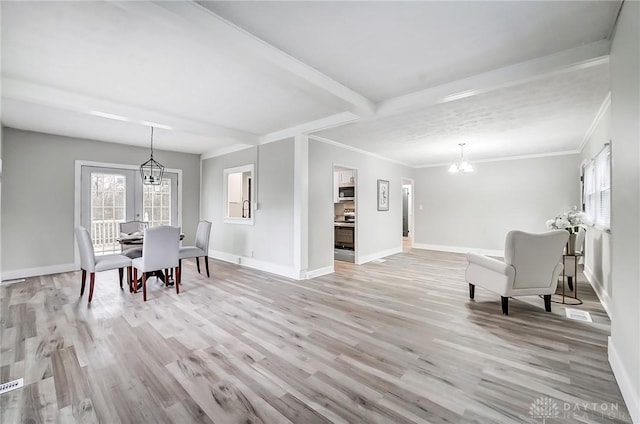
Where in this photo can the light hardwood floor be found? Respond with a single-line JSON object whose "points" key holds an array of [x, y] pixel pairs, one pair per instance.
{"points": [[391, 342]]}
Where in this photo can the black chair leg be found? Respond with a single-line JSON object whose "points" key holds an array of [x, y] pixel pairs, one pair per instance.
{"points": [[570, 282], [547, 302], [84, 279], [505, 305], [472, 290], [92, 280], [180, 264], [120, 274], [206, 263], [198, 263]]}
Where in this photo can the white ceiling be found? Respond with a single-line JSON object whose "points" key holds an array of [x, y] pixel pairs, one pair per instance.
{"points": [[405, 80]]}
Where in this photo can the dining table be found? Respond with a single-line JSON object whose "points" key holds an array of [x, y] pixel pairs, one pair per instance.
{"points": [[136, 240]]}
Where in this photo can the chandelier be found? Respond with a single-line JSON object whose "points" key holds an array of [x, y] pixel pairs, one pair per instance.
{"points": [[151, 171], [461, 165]]}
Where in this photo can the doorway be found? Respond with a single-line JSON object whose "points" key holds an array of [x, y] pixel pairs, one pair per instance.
{"points": [[110, 195], [407, 214]]}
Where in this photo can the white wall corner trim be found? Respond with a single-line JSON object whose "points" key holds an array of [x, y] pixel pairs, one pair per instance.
{"points": [[459, 249], [598, 288], [320, 272], [282, 270], [42, 270], [372, 257], [624, 383]]}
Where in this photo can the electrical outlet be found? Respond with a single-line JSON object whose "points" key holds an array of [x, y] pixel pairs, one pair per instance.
{"points": [[239, 260]]}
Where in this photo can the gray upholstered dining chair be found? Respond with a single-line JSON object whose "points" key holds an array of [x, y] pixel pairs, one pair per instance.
{"points": [[532, 264], [92, 264], [128, 228], [159, 251], [201, 249]]}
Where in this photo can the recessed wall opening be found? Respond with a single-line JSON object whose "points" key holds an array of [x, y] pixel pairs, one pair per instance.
{"points": [[345, 196]]}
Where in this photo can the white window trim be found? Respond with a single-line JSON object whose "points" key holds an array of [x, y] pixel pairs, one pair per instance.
{"points": [[599, 163], [234, 170]]}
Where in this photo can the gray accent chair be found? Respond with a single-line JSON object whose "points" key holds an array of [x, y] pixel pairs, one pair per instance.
{"points": [[159, 251], [201, 249], [128, 228], [92, 264], [532, 264]]}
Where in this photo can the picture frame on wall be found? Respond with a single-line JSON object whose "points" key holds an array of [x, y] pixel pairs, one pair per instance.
{"points": [[383, 195]]}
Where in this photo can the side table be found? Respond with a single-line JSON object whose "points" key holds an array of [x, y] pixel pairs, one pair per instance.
{"points": [[566, 299]]}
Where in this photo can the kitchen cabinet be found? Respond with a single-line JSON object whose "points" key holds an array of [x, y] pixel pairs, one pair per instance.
{"points": [[347, 177]]}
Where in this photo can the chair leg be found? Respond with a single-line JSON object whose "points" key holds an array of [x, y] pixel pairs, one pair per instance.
{"points": [[120, 273], [570, 282], [84, 278], [505, 305], [547, 302], [166, 277], [134, 283], [206, 263], [92, 279], [198, 263], [129, 276], [177, 280], [144, 286], [472, 290], [180, 265]]}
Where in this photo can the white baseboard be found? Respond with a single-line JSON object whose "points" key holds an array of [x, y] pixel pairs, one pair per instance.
{"points": [[33, 272], [629, 393], [459, 249], [270, 267], [598, 288], [372, 257], [320, 272]]}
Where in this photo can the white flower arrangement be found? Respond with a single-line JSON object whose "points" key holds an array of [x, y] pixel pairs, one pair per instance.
{"points": [[571, 220]]}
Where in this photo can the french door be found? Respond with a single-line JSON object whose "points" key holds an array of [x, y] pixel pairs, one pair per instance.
{"points": [[112, 195]]}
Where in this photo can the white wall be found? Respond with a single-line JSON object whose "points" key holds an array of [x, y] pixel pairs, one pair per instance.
{"points": [[624, 349], [267, 244], [38, 195], [597, 246], [459, 212], [378, 233]]}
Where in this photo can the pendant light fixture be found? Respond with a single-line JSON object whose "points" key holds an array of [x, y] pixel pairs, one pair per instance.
{"points": [[151, 171], [462, 165]]}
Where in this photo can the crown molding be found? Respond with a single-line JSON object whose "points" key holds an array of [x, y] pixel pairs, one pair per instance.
{"points": [[596, 120], [357, 150], [533, 156]]}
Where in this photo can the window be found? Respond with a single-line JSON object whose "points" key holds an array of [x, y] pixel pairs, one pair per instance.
{"points": [[238, 195], [156, 203], [108, 204], [597, 188]]}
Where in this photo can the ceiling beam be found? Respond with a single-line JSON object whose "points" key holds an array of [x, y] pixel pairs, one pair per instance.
{"points": [[308, 127], [89, 105], [216, 28], [582, 57]]}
